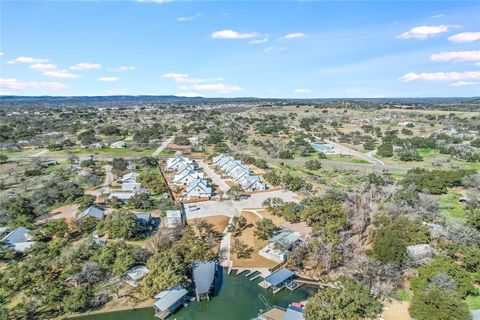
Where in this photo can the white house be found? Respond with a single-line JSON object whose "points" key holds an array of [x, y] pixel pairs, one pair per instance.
{"points": [[279, 246], [199, 188], [118, 145], [136, 273], [239, 172], [187, 177], [129, 181], [177, 162]]}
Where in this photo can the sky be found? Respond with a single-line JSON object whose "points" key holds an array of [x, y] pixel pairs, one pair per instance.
{"points": [[270, 49]]}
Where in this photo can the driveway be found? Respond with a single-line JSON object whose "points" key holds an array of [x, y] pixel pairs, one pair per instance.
{"points": [[105, 188], [214, 176], [162, 146]]}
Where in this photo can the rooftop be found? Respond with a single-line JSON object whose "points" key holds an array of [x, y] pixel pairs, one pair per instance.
{"points": [[279, 276]]}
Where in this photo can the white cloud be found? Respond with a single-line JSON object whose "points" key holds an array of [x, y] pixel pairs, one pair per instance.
{"points": [[258, 41], [303, 90], [155, 1], [295, 35], [190, 18], [465, 37], [218, 87], [42, 67], [14, 84], [456, 56], [442, 76], [463, 83], [121, 69], [424, 32], [188, 94], [230, 34], [27, 60], [108, 79], [185, 78], [1, 53], [437, 16], [61, 74], [86, 66]]}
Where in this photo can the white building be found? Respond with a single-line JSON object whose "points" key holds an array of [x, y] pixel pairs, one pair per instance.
{"points": [[177, 162], [239, 172], [199, 188], [129, 181], [278, 247], [118, 145]]}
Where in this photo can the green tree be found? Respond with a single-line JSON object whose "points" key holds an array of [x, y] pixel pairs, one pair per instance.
{"points": [[352, 301], [77, 299], [436, 304], [120, 224], [237, 225], [313, 165], [265, 229]]}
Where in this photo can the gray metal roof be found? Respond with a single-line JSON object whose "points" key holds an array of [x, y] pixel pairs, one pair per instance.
{"points": [[279, 276], [92, 212], [145, 216], [293, 313], [167, 298], [203, 275], [19, 235]]}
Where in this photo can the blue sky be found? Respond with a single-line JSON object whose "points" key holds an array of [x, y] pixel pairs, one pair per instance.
{"points": [[297, 49]]}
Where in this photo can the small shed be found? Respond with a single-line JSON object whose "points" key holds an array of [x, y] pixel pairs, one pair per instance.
{"points": [[133, 275], [204, 275], [420, 253], [168, 301]]}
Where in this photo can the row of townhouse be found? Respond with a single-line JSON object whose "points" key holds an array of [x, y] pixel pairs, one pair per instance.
{"points": [[239, 173], [186, 174]]}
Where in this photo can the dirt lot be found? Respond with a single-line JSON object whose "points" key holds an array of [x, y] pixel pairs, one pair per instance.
{"points": [[219, 222], [248, 238], [396, 310]]}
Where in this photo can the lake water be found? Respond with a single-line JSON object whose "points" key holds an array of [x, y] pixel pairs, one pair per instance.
{"points": [[238, 298]]}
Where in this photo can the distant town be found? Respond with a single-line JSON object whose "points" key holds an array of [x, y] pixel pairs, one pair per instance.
{"points": [[178, 208]]}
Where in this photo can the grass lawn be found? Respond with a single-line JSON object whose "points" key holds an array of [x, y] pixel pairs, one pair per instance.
{"points": [[473, 302], [346, 158], [403, 294], [451, 206]]}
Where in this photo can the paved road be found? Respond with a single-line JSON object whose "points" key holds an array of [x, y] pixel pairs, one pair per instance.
{"points": [[214, 176], [346, 150], [164, 144]]}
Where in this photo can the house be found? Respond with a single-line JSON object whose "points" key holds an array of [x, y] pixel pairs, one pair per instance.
{"points": [[204, 274], [96, 145], [118, 145], [122, 196], [174, 218], [324, 148], [186, 177], [240, 173], [19, 239], [420, 253], [144, 218], [129, 181], [178, 161], [92, 212], [409, 124], [133, 275], [199, 188], [251, 183], [167, 301], [278, 247], [278, 280]]}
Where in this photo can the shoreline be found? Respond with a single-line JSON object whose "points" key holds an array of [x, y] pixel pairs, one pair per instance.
{"points": [[141, 305]]}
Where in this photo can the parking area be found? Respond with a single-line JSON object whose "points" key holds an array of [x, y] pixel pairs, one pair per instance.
{"points": [[209, 208], [255, 201]]}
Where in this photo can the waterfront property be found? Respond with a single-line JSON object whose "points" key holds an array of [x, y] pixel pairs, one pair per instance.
{"points": [[278, 280], [204, 278], [167, 301], [136, 273], [279, 246], [294, 311]]}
